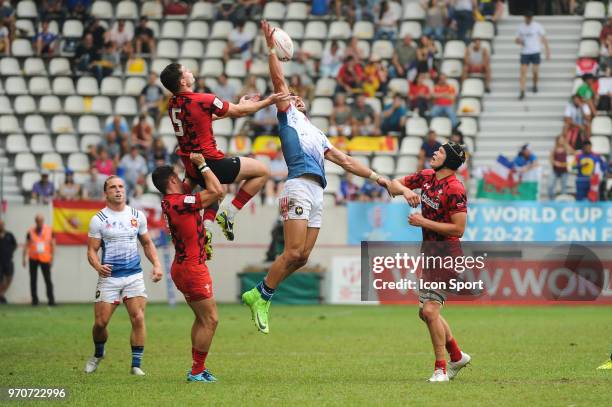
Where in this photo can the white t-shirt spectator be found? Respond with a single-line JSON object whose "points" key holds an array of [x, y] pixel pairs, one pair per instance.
{"points": [[241, 40], [577, 113], [133, 168], [120, 38], [531, 35], [465, 5]]}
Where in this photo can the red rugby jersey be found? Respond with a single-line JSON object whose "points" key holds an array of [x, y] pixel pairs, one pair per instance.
{"points": [[182, 213], [191, 116]]}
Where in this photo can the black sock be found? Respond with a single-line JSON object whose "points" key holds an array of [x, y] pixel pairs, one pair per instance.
{"points": [[99, 349]]}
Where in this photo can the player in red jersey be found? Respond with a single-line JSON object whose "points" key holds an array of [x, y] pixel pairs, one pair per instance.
{"points": [[189, 271], [442, 219], [192, 115]]}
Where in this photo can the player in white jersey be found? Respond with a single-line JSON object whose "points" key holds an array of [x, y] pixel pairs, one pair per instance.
{"points": [[305, 149], [116, 230]]}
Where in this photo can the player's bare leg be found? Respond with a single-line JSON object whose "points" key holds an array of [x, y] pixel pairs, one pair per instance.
{"points": [[202, 332], [103, 311], [430, 314], [458, 358], [523, 80], [136, 310], [254, 174], [536, 76]]}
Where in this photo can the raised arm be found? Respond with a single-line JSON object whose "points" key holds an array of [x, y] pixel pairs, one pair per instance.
{"points": [[353, 166], [276, 70], [249, 106]]}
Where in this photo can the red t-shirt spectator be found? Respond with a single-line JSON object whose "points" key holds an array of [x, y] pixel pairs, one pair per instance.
{"points": [[104, 167], [586, 65], [444, 101], [418, 90], [346, 76]]}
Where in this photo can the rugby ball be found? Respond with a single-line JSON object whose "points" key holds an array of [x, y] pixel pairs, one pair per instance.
{"points": [[283, 44]]}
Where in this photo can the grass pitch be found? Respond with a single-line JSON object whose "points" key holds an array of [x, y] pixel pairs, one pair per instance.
{"points": [[324, 355]]}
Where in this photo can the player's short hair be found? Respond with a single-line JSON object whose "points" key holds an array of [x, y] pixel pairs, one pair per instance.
{"points": [[109, 179], [171, 77], [160, 177]]}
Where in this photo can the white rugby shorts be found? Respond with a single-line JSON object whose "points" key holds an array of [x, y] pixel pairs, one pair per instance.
{"points": [[113, 289], [302, 198]]}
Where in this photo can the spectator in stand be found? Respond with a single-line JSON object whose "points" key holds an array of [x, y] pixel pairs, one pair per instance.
{"points": [[606, 30], [98, 33], [428, 148], [144, 38], [158, 155], [386, 22], [558, 161], [239, 42], [586, 66], [350, 77], [531, 36], [43, 191], [151, 97], [46, 41], [376, 77], [85, 55], [605, 54], [420, 95], [8, 245], [250, 86], [142, 133], [591, 169], [104, 164], [265, 121], [134, 169], [304, 67], [319, 8], [225, 90], [52, 10], [119, 131], [241, 10], [201, 86], [477, 61], [121, 39], [605, 94], [106, 64], [372, 192], [348, 191], [340, 118], [79, 8], [5, 40], [176, 8], [464, 17], [69, 190], [404, 57], [278, 175], [444, 95], [436, 13], [425, 55], [525, 160], [353, 50], [111, 145], [577, 117], [331, 61], [587, 91], [93, 188], [299, 88], [364, 120], [394, 116], [7, 14]]}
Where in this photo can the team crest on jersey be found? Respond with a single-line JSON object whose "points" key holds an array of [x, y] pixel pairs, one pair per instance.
{"points": [[98, 294], [299, 210], [134, 223]]}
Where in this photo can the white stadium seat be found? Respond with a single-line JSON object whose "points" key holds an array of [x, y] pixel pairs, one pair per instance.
{"points": [[483, 30], [34, 66], [28, 179], [39, 85], [9, 66], [191, 64], [72, 29], [192, 49], [16, 143], [87, 86], [63, 86], [416, 126], [411, 146], [59, 66], [41, 143], [211, 67], [5, 105], [26, 162], [410, 28], [339, 30], [165, 126], [22, 48], [588, 49], [15, 85], [170, 142], [78, 162], [134, 85], [454, 50], [74, 105], [594, 10], [452, 68], [34, 123], [406, 164], [126, 106], [468, 126], [197, 30], [159, 64], [313, 47], [102, 10], [62, 123], [383, 49], [101, 105], [472, 87], [322, 123], [601, 144], [316, 30], [321, 107], [126, 9], [214, 49], [294, 29], [235, 68], [331, 168], [274, 10], [111, 86], [413, 11], [364, 30], [383, 164], [259, 67], [173, 30], [89, 124], [441, 125], [297, 11], [167, 49], [89, 140], [24, 104], [203, 11], [333, 182], [399, 86], [221, 30], [601, 126], [66, 143], [591, 29], [223, 127], [222, 143], [27, 9], [325, 87], [469, 107], [52, 161], [152, 9], [9, 124]]}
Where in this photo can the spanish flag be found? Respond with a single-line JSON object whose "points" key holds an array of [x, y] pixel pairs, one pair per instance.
{"points": [[71, 220]]}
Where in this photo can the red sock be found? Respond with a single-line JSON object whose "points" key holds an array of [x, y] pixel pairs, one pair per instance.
{"points": [[198, 361], [440, 364], [210, 214], [453, 350], [241, 198]]}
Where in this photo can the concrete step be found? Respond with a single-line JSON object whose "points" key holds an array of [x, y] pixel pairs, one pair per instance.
{"points": [[510, 85], [509, 94], [9, 180], [11, 189], [14, 199], [553, 38], [4, 161], [555, 48], [489, 123], [513, 58], [523, 108], [492, 145], [535, 135]]}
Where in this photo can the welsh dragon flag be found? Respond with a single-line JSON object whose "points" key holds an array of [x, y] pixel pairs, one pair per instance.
{"points": [[504, 182]]}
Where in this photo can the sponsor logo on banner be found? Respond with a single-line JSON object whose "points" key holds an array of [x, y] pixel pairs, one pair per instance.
{"points": [[345, 280]]}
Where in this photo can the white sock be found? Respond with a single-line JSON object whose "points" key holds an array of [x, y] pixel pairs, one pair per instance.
{"points": [[208, 224]]}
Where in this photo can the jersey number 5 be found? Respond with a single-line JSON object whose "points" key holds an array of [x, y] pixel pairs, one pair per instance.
{"points": [[177, 123]]}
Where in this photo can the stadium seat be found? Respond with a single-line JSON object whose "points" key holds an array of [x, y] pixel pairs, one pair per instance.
{"points": [[26, 162], [316, 30], [61, 123], [78, 162], [322, 123], [441, 125], [26, 27], [34, 66], [483, 30], [53, 27], [601, 144], [15, 85], [6, 108], [170, 142], [383, 49], [66, 143], [192, 49], [72, 29], [383, 164], [214, 49], [235, 68], [102, 10], [222, 142], [223, 127], [591, 29], [126, 106], [27, 9], [41, 143], [406, 164], [39, 85], [173, 30], [331, 168], [413, 11], [74, 105], [133, 86], [274, 10], [469, 143], [34, 123], [16, 143], [191, 64], [159, 64], [24, 104], [595, 10], [221, 30], [89, 124], [101, 105], [452, 68], [111, 86], [89, 140], [313, 47], [297, 11], [321, 107], [339, 30], [52, 161], [416, 126], [410, 28], [87, 86], [588, 49], [127, 10], [362, 159], [364, 30], [472, 87], [165, 126], [152, 9], [63, 86], [398, 86], [9, 124], [202, 11], [410, 146], [454, 50], [601, 126], [9, 66], [333, 182], [167, 49], [294, 29], [469, 107], [59, 66], [197, 30], [211, 67], [325, 87], [259, 67], [469, 126]]}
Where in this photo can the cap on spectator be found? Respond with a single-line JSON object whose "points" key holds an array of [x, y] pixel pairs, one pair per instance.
{"points": [[69, 171]]}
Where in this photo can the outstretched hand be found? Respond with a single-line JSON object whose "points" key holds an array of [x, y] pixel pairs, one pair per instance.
{"points": [[279, 97], [268, 32], [249, 98]]}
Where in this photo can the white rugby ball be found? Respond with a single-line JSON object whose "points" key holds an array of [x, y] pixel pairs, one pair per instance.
{"points": [[283, 44]]}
